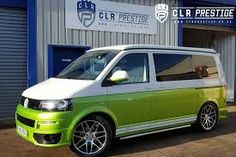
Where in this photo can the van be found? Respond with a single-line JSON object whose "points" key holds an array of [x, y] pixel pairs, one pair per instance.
{"points": [[123, 92]]}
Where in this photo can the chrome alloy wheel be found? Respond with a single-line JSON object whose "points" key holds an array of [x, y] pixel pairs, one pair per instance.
{"points": [[89, 137], [208, 117]]}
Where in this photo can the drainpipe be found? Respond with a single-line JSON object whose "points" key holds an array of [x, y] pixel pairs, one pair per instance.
{"points": [[235, 75]]}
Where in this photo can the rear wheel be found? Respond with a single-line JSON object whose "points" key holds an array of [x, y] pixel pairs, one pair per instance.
{"points": [[91, 137], [207, 117]]}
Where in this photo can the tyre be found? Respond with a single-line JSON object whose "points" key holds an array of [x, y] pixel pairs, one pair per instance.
{"points": [[91, 137], [207, 117]]}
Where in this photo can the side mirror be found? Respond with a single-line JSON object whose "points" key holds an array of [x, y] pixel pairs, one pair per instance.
{"points": [[119, 76]]}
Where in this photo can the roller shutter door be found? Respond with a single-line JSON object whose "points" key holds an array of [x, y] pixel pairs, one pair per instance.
{"points": [[13, 59]]}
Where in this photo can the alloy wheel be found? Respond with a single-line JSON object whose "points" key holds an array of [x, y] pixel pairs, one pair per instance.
{"points": [[208, 117], [89, 137]]}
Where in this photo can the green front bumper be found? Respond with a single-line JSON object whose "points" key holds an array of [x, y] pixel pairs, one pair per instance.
{"points": [[45, 123]]}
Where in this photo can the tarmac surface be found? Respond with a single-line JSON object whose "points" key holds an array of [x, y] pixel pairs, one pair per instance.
{"points": [[187, 142]]}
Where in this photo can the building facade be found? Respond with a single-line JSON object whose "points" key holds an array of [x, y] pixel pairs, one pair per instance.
{"points": [[31, 29]]}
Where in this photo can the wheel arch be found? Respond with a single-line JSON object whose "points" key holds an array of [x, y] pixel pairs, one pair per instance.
{"points": [[212, 102], [106, 117], [103, 113]]}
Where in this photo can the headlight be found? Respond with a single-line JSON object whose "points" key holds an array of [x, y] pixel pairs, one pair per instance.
{"points": [[55, 105], [21, 100]]}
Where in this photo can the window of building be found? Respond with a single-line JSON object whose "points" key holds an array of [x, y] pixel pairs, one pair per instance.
{"points": [[175, 67]]}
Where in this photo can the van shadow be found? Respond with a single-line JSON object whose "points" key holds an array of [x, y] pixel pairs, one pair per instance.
{"points": [[171, 138]]}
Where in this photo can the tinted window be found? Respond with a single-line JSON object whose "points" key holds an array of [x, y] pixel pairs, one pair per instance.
{"points": [[137, 67], [174, 67]]}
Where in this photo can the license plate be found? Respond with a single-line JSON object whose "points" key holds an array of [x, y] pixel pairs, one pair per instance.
{"points": [[21, 131]]}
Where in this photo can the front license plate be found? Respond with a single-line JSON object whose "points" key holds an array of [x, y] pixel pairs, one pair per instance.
{"points": [[21, 131]]}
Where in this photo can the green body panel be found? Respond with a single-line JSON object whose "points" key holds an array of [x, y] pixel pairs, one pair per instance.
{"points": [[175, 103], [128, 110], [217, 95], [131, 108]]}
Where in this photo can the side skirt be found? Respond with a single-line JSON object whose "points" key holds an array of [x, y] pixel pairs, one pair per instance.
{"points": [[154, 132], [154, 127]]}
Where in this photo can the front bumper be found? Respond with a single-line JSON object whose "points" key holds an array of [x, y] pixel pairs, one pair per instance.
{"points": [[37, 125]]}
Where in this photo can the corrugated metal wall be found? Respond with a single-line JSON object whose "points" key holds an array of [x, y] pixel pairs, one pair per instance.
{"points": [[51, 30], [13, 59], [224, 44]]}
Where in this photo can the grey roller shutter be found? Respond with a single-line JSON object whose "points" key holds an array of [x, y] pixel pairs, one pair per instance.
{"points": [[13, 59]]}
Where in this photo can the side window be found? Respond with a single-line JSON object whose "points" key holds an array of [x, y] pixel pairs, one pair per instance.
{"points": [[205, 67], [174, 67], [136, 65]]}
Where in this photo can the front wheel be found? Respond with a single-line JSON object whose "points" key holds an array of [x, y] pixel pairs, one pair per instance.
{"points": [[91, 137], [207, 117]]}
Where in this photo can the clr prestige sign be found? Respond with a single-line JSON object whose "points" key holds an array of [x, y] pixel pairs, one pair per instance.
{"points": [[110, 16]]}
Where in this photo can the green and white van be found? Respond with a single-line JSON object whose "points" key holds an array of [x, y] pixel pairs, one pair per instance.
{"points": [[123, 92]]}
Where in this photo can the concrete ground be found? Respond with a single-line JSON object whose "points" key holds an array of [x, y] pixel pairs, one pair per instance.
{"points": [[178, 143]]}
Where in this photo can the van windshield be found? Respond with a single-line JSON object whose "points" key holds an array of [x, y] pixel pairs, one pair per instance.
{"points": [[88, 66]]}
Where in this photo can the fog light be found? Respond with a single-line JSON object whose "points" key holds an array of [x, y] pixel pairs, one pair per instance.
{"points": [[47, 138]]}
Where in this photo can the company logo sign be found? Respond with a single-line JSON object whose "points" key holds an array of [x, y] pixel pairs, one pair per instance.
{"points": [[109, 16], [86, 11], [199, 15], [161, 12]]}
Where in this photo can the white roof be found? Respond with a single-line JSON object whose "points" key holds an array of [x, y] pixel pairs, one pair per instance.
{"points": [[157, 47]]}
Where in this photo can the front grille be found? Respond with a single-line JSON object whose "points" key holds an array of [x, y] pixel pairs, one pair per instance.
{"points": [[32, 104], [26, 121]]}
